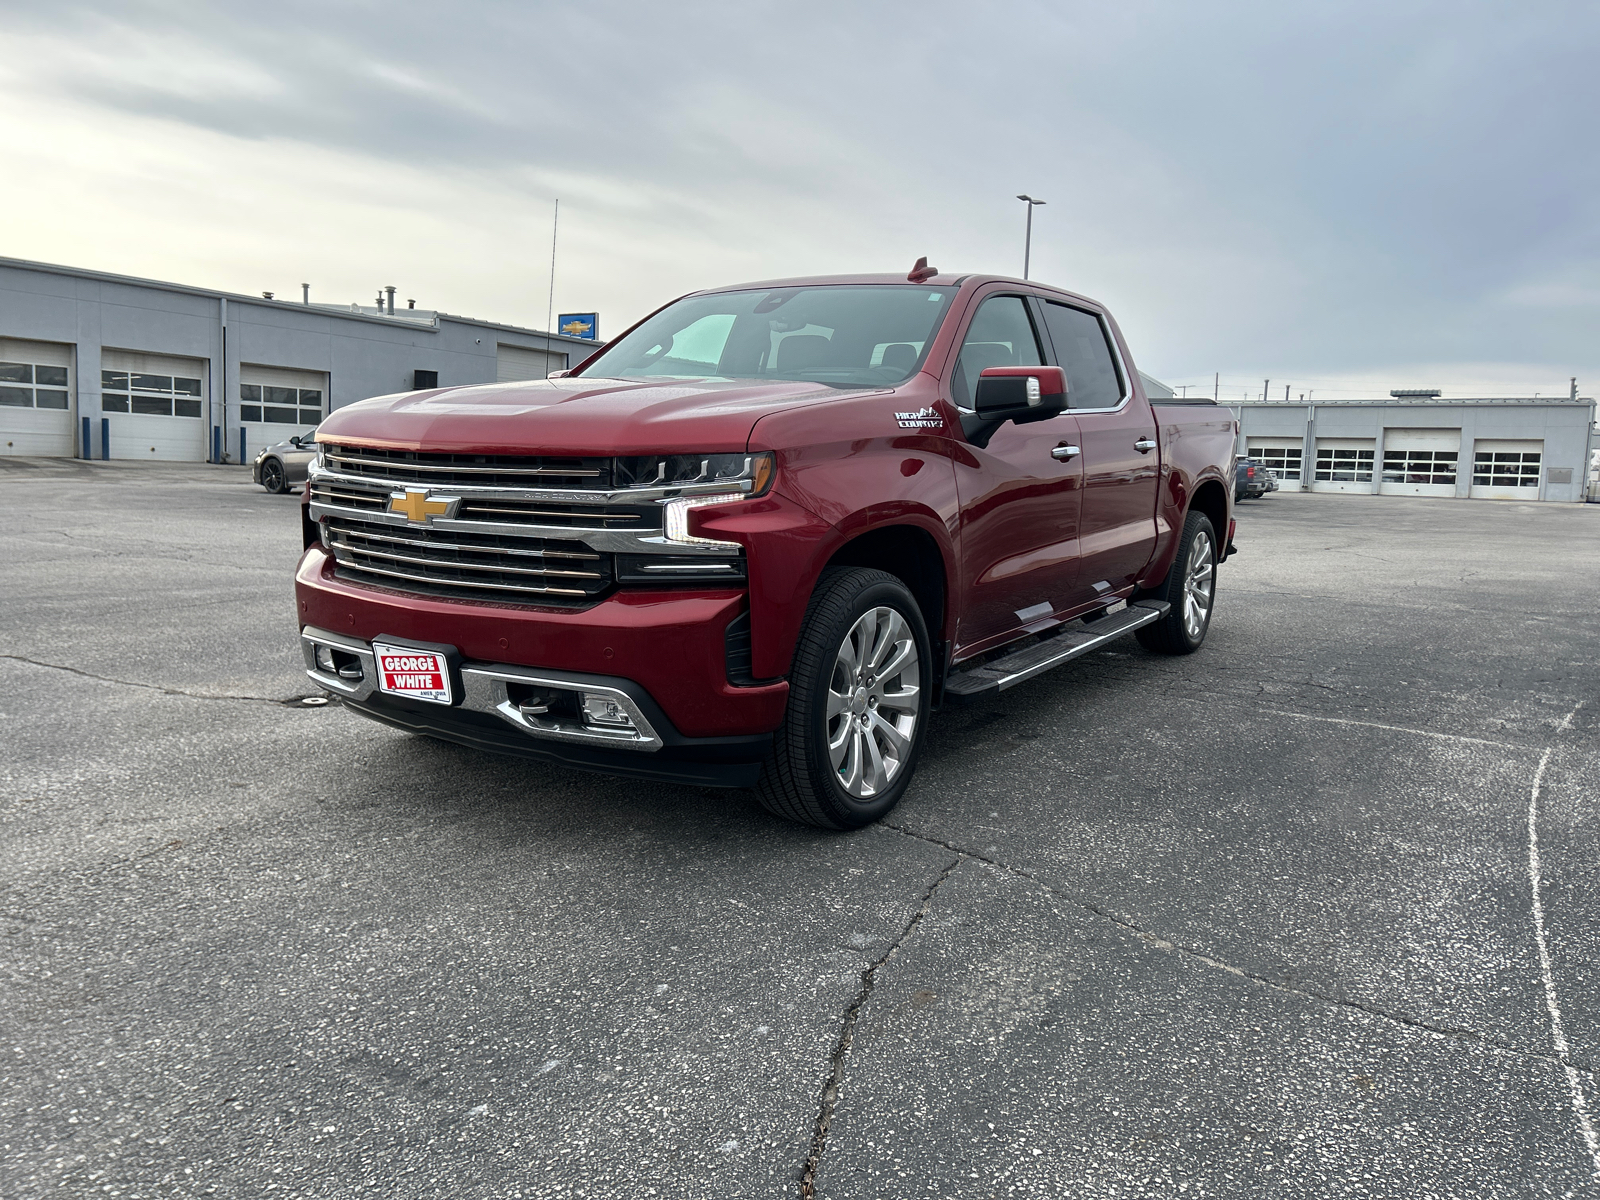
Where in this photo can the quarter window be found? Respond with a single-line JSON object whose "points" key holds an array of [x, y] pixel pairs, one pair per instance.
{"points": [[32, 385], [1083, 350], [1001, 335]]}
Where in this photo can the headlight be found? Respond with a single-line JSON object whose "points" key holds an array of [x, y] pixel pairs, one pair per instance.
{"points": [[682, 470]]}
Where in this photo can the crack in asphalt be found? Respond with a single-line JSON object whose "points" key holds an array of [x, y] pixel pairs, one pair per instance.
{"points": [[291, 701], [1200, 956], [830, 1090]]}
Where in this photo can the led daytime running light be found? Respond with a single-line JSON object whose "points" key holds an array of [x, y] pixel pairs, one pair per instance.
{"points": [[677, 518]]}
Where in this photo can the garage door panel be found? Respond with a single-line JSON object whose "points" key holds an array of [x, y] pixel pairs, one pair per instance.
{"points": [[513, 363], [1507, 468], [1282, 456], [278, 403], [1420, 462], [36, 408], [1344, 465], [155, 405]]}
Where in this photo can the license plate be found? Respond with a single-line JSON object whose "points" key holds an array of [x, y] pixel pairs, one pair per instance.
{"points": [[415, 674]]}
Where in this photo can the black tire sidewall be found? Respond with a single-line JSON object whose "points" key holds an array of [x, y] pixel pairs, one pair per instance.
{"points": [[273, 478], [848, 811]]}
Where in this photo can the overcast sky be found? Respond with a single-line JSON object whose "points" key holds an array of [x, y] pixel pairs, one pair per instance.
{"points": [[1346, 197]]}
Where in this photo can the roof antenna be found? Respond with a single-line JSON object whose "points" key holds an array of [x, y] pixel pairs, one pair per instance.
{"points": [[922, 272]]}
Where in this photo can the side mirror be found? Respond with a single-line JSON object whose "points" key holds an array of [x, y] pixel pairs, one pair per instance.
{"points": [[295, 440], [1020, 394]]}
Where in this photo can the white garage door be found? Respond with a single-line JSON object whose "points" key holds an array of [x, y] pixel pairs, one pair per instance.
{"points": [[1420, 462], [1506, 470], [1282, 456], [1343, 465], [156, 405], [518, 362], [276, 404], [36, 406]]}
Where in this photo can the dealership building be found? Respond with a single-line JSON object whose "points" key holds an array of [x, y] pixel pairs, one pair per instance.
{"points": [[1419, 443], [105, 366]]}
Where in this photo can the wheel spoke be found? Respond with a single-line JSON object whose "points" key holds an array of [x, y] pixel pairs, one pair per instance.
{"points": [[904, 651], [876, 774], [905, 699], [890, 630], [899, 743], [836, 704]]}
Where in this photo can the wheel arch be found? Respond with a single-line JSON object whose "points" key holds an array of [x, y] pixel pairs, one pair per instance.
{"points": [[912, 555], [1211, 499]]}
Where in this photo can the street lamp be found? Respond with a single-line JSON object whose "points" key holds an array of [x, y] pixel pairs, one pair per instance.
{"points": [[1027, 245]]}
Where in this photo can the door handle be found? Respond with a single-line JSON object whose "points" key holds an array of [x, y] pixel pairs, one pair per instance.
{"points": [[1144, 445], [1063, 453]]}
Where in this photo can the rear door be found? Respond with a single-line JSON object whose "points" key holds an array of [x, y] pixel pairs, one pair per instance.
{"points": [[1121, 459], [1019, 504]]}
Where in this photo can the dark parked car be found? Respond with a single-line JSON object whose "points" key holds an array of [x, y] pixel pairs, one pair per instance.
{"points": [[1252, 479], [284, 464]]}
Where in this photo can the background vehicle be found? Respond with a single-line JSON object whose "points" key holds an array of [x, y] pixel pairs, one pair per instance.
{"points": [[283, 464], [757, 539], [1251, 479]]}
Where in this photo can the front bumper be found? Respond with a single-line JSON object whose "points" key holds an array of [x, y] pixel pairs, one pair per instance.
{"points": [[671, 644], [489, 717]]}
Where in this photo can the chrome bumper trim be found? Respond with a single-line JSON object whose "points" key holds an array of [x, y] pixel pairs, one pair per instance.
{"points": [[484, 690]]}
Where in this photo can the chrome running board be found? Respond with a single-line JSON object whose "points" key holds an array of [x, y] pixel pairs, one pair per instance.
{"points": [[1076, 640]]}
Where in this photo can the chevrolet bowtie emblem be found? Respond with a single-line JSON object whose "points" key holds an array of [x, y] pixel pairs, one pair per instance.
{"points": [[419, 508]]}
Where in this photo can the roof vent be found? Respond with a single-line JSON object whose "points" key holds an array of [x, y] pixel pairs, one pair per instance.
{"points": [[266, 295], [1415, 393], [922, 272]]}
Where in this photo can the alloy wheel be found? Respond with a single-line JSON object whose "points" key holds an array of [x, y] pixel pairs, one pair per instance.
{"points": [[1199, 583], [874, 697]]}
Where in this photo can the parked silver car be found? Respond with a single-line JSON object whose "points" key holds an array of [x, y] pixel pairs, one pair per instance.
{"points": [[282, 465]]}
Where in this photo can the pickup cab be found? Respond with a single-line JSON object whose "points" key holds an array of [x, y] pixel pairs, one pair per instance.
{"points": [[757, 539]]}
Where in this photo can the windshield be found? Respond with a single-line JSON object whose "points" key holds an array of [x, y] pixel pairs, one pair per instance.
{"points": [[871, 335]]}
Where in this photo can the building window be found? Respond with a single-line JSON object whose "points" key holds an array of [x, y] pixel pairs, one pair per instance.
{"points": [[33, 385], [1343, 466], [1282, 461], [1420, 466], [279, 405], [1506, 468], [150, 395]]}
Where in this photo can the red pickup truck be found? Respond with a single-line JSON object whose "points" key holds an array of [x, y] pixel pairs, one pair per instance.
{"points": [[757, 539]]}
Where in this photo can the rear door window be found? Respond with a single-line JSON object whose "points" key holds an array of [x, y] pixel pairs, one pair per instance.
{"points": [[1083, 351]]}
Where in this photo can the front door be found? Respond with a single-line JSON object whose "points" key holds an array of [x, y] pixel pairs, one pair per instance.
{"points": [[1121, 459], [1019, 504]]}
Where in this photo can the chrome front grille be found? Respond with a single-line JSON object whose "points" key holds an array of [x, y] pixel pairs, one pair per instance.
{"points": [[428, 469], [641, 517], [502, 568]]}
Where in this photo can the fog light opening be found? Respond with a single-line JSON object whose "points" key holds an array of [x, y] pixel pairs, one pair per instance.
{"points": [[603, 711]]}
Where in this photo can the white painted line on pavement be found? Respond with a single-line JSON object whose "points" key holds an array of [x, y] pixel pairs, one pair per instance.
{"points": [[1447, 737], [1558, 1037]]}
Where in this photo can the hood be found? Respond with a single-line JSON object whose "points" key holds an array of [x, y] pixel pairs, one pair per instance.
{"points": [[576, 416]]}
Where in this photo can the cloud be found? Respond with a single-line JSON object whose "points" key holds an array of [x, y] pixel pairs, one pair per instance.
{"points": [[1320, 189]]}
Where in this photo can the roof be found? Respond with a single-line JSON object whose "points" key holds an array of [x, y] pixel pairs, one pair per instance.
{"points": [[321, 309]]}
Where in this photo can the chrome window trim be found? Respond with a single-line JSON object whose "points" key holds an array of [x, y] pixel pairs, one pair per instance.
{"points": [[1116, 357]]}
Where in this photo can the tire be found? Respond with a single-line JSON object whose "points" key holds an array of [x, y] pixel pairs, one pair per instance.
{"points": [[272, 477], [828, 768], [1190, 587]]}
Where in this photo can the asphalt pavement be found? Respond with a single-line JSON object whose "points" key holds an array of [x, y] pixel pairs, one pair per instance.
{"points": [[1264, 921]]}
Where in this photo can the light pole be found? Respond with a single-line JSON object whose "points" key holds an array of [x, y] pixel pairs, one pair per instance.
{"points": [[1027, 244]]}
